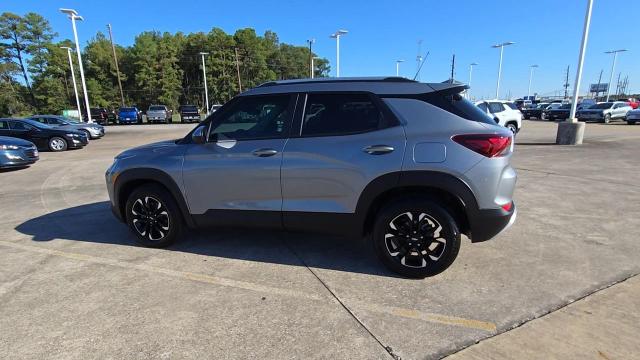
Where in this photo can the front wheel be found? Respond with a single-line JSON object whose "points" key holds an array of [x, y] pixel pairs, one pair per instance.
{"points": [[57, 144], [607, 118], [631, 122], [416, 238], [153, 216], [512, 127]]}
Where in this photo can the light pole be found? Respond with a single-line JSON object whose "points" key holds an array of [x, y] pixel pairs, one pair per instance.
{"points": [[501, 46], [73, 78], [613, 67], [470, 73], [204, 76], [313, 68], [115, 61], [310, 42], [530, 78], [398, 67], [571, 132], [73, 15], [336, 36]]}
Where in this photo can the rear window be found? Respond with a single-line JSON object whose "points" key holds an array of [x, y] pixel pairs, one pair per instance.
{"points": [[458, 105], [511, 105], [189, 108], [156, 108], [127, 109], [606, 105]]}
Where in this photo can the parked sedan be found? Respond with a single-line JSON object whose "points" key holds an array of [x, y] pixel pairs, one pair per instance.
{"points": [[93, 131], [560, 113], [535, 111], [42, 135], [605, 111], [129, 115], [16, 152], [633, 117]]}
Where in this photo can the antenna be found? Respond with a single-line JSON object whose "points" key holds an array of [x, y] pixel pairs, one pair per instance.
{"points": [[453, 67], [419, 60], [420, 66]]}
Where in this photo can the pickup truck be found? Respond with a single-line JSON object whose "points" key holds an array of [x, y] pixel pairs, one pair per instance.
{"points": [[189, 113], [129, 115], [159, 113]]}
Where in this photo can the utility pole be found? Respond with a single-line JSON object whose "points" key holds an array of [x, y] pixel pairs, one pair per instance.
{"points": [[453, 67], [618, 85], [73, 78], [115, 60], [566, 84], [310, 42], [204, 76], [238, 69], [598, 88], [613, 67]]}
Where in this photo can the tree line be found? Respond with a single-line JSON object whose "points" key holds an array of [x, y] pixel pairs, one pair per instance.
{"points": [[159, 68]]}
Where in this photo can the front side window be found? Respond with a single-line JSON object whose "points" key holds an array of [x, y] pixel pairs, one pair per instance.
{"points": [[259, 117], [495, 107], [512, 106], [483, 107], [340, 114]]}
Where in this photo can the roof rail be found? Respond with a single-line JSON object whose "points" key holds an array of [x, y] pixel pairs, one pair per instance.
{"points": [[332, 80]]}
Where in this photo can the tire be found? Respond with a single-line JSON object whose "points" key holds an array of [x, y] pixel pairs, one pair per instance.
{"points": [[57, 144], [527, 117], [512, 127], [543, 116], [428, 256], [153, 226], [631, 122], [86, 132], [606, 119]]}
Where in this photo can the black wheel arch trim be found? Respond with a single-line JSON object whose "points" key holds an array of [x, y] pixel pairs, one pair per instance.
{"points": [[150, 175]]}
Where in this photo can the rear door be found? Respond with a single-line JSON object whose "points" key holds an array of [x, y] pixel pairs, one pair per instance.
{"points": [[339, 144]]}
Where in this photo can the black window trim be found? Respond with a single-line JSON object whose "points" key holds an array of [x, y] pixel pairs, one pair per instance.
{"points": [[389, 119], [231, 104]]}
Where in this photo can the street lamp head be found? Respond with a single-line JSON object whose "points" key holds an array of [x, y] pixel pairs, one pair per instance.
{"points": [[311, 41], [503, 44], [68, 48], [534, 66], [473, 64], [615, 51], [203, 53], [399, 61], [69, 12], [338, 34]]}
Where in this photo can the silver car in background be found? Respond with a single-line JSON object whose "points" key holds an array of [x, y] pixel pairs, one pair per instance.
{"points": [[408, 165], [93, 130], [159, 114], [605, 111]]}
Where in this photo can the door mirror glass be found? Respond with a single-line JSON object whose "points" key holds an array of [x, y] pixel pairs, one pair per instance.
{"points": [[198, 135]]}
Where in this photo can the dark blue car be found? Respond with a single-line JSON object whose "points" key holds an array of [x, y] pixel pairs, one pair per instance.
{"points": [[16, 152], [129, 115]]}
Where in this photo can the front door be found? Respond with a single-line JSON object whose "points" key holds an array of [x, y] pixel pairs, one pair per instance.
{"points": [[236, 173]]}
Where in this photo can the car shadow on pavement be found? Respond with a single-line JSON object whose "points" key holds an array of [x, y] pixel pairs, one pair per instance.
{"points": [[96, 224]]}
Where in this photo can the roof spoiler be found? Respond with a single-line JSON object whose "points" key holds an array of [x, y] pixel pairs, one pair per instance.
{"points": [[448, 88]]}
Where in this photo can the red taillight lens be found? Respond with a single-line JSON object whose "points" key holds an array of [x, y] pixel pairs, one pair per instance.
{"points": [[507, 206], [489, 145]]}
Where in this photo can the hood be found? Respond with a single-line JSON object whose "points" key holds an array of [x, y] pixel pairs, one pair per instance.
{"points": [[159, 146], [6, 140]]}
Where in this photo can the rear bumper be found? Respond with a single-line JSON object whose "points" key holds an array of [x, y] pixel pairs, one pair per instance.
{"points": [[486, 224]]}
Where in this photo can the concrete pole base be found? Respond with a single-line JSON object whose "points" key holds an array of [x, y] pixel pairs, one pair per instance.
{"points": [[570, 133]]}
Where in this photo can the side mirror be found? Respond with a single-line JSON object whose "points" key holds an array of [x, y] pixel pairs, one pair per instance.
{"points": [[198, 135]]}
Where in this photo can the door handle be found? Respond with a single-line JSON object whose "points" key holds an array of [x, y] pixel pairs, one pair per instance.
{"points": [[264, 152], [378, 149]]}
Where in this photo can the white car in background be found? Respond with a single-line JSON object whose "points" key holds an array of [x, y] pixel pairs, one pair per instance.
{"points": [[503, 112]]}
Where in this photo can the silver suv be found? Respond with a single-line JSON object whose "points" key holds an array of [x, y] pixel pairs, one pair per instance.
{"points": [[409, 165]]}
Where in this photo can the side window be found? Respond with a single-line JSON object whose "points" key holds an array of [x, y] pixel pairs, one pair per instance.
{"points": [[340, 114], [483, 107], [4, 125], [512, 106], [495, 107], [18, 125], [39, 119], [256, 117]]}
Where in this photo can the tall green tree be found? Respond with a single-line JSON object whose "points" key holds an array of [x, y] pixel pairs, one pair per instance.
{"points": [[23, 38]]}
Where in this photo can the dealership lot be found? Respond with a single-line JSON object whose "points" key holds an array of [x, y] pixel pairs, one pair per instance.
{"points": [[74, 285]]}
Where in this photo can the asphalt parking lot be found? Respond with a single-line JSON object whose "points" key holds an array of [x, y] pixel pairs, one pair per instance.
{"points": [[74, 285]]}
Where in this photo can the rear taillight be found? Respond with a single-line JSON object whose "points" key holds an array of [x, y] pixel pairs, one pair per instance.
{"points": [[489, 145]]}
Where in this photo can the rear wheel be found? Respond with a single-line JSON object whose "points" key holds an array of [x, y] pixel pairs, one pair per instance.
{"points": [[416, 238], [57, 144], [153, 216], [512, 127], [631, 122]]}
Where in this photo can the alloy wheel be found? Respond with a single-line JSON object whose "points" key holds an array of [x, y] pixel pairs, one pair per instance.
{"points": [[415, 239], [150, 218], [57, 144]]}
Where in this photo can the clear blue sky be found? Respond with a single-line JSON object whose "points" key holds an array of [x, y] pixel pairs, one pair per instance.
{"points": [[546, 32]]}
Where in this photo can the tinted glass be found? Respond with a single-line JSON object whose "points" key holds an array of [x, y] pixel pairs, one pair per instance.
{"points": [[602, 106], [127, 109], [259, 117], [156, 108], [495, 107], [18, 125], [339, 114], [4, 125], [483, 107], [189, 108], [511, 105], [565, 106]]}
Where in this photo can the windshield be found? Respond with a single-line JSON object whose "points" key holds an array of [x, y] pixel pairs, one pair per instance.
{"points": [[127, 109], [565, 106], [542, 106], [156, 108], [39, 125], [606, 105]]}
